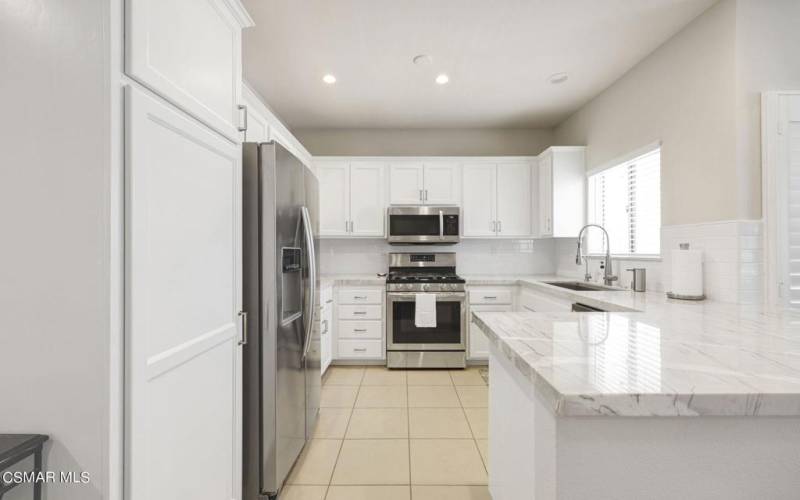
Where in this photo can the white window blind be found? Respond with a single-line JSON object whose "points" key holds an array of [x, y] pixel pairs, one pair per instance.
{"points": [[794, 214], [626, 200]]}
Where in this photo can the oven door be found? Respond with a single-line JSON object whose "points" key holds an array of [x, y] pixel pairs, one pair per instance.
{"points": [[447, 335]]}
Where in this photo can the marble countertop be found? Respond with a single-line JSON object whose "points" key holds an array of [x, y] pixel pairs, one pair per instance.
{"points": [[655, 356], [352, 279]]}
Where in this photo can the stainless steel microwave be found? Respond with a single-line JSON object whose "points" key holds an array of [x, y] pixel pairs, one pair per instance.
{"points": [[424, 225]]}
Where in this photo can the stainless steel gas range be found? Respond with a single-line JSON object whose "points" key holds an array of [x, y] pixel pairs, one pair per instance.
{"points": [[440, 346]]}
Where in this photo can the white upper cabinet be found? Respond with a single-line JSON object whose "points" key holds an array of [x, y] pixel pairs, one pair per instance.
{"points": [[406, 184], [189, 52], [514, 199], [428, 183], [441, 183], [352, 198], [562, 191], [479, 202], [334, 198], [497, 199], [367, 203], [546, 194], [257, 125]]}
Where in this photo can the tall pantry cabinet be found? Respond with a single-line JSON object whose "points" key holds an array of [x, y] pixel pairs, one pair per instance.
{"points": [[182, 211]]}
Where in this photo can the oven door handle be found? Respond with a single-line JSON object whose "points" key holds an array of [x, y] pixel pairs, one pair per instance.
{"points": [[458, 296]]}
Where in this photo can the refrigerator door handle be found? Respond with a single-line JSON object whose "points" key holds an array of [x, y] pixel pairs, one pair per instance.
{"points": [[312, 268], [243, 316]]}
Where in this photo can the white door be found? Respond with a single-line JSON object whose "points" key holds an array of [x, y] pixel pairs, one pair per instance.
{"points": [[513, 199], [183, 427], [546, 195], [478, 201], [188, 51], [406, 183], [442, 184], [367, 205], [478, 343], [334, 198]]}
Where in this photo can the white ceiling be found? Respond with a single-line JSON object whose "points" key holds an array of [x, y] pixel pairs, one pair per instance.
{"points": [[498, 54]]}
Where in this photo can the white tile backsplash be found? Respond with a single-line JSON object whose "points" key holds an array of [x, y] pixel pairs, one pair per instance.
{"points": [[732, 252], [732, 255], [497, 257]]}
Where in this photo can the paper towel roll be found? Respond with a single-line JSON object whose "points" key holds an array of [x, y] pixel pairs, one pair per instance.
{"points": [[687, 273]]}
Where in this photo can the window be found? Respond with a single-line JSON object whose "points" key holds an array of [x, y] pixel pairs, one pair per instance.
{"points": [[626, 200]]}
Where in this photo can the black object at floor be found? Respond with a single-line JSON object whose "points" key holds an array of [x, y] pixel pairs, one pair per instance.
{"points": [[15, 448]]}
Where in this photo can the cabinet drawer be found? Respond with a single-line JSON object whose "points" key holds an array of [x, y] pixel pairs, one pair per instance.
{"points": [[360, 312], [360, 349], [490, 296], [360, 330], [353, 296]]}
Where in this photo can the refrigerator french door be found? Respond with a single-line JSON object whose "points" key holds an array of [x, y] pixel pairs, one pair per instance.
{"points": [[281, 294]]}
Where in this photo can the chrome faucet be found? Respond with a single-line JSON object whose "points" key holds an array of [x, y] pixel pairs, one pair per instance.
{"points": [[608, 276]]}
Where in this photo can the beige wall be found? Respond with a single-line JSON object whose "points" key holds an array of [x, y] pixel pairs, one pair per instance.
{"points": [[699, 94], [54, 215], [683, 94], [768, 58], [424, 142]]}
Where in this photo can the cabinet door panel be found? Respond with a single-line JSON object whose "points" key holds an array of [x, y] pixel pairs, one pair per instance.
{"points": [[406, 183], [183, 294], [367, 206], [514, 199], [478, 343], [189, 52], [442, 186], [478, 199], [334, 198], [546, 195]]}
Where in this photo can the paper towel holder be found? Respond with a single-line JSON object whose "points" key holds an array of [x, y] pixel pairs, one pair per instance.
{"points": [[670, 295]]}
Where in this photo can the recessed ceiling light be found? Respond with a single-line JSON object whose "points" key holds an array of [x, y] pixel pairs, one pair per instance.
{"points": [[442, 79], [422, 60], [329, 79], [557, 78]]}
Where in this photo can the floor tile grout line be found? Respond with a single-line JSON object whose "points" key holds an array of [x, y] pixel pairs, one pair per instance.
{"points": [[408, 429], [341, 445]]}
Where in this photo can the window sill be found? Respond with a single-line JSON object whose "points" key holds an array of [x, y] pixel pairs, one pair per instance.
{"points": [[648, 258]]}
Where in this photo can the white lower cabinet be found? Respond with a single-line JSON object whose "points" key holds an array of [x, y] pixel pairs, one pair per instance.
{"points": [[485, 299], [326, 328], [360, 323]]}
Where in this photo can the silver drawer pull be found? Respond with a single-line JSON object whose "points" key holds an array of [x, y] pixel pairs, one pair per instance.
{"points": [[489, 296], [362, 349], [360, 330], [360, 313], [329, 301], [360, 297]]}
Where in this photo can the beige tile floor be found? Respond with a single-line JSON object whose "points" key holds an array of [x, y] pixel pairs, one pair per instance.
{"points": [[396, 435]]}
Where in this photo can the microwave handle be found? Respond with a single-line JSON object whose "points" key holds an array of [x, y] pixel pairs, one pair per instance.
{"points": [[441, 225]]}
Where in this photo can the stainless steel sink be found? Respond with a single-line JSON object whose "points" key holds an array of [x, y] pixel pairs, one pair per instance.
{"points": [[582, 286]]}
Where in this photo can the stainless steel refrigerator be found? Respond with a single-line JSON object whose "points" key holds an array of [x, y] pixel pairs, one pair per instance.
{"points": [[281, 296]]}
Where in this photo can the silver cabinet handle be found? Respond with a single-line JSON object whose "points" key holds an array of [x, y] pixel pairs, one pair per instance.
{"points": [[493, 297], [420, 196], [499, 226], [243, 319], [359, 297], [426, 195], [346, 226], [361, 349], [494, 226], [329, 301], [351, 226], [360, 330], [441, 224], [359, 313], [243, 126]]}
